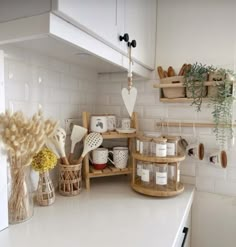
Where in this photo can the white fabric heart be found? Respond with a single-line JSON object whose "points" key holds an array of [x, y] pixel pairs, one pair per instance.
{"points": [[129, 98]]}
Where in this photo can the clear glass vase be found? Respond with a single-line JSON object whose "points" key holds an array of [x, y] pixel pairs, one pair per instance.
{"points": [[45, 190], [20, 197]]}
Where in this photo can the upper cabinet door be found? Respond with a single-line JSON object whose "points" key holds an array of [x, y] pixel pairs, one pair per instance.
{"points": [[140, 24], [101, 19]]}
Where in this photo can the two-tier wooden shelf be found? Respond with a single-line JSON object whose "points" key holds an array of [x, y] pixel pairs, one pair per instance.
{"points": [[110, 170], [171, 189]]}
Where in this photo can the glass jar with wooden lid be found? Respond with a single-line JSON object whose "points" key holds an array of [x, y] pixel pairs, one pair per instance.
{"points": [[147, 174], [173, 176], [160, 176], [159, 147], [172, 145], [145, 145]]}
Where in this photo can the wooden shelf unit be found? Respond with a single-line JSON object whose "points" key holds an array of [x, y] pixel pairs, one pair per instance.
{"points": [[172, 189], [110, 170], [181, 85]]}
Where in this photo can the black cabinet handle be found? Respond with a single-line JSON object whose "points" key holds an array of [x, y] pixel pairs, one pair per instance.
{"points": [[125, 37], [133, 43], [185, 231]]}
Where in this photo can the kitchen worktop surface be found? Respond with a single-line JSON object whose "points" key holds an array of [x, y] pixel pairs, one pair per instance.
{"points": [[111, 214]]}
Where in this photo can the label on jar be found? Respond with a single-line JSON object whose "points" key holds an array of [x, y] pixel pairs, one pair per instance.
{"points": [[171, 149], [145, 175], [178, 175], [161, 150], [161, 178], [137, 145], [139, 170], [141, 147]]}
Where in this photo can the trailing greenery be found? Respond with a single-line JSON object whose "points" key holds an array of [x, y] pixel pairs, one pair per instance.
{"points": [[222, 104], [195, 76]]}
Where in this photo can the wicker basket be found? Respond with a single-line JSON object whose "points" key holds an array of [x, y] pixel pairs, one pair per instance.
{"points": [[70, 180], [174, 92]]}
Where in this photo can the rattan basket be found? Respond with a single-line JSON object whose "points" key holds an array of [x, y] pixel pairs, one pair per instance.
{"points": [[70, 180], [173, 92]]}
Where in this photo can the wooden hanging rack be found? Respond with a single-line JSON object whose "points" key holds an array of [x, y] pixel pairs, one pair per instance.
{"points": [[189, 124]]}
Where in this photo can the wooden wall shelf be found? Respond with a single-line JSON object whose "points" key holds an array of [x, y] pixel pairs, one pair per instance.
{"points": [[181, 100], [171, 85]]}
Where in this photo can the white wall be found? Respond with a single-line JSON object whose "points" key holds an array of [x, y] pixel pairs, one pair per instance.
{"points": [[64, 90]]}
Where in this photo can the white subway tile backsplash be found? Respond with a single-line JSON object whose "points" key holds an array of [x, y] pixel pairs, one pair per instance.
{"points": [[138, 109], [225, 187], [114, 99], [183, 113], [205, 170], [146, 99], [156, 112], [69, 82], [57, 65], [102, 109], [205, 184]]}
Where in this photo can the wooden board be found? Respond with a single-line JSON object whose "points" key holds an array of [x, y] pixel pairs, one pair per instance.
{"points": [[137, 186], [108, 171], [168, 159], [173, 85]]}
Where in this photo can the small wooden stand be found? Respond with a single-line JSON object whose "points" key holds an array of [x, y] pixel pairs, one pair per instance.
{"points": [[171, 189], [89, 172]]}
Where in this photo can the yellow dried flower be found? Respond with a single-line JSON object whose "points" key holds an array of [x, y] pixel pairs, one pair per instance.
{"points": [[44, 160]]}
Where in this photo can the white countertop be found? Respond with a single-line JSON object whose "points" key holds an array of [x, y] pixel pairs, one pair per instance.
{"points": [[111, 214]]}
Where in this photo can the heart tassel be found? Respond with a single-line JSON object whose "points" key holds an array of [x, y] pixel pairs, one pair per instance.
{"points": [[129, 95]]}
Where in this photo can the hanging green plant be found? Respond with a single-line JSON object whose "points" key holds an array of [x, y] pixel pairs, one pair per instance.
{"points": [[222, 104], [195, 76]]}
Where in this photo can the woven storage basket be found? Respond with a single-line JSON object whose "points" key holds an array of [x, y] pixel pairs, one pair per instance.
{"points": [[70, 180], [173, 92]]}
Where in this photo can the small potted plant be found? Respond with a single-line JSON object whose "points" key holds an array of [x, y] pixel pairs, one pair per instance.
{"points": [[42, 162], [195, 76]]}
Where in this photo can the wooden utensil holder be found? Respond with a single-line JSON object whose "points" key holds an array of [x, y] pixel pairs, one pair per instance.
{"points": [[70, 180]]}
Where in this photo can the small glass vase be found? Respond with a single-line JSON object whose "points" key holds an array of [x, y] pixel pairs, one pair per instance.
{"points": [[45, 190], [20, 197]]}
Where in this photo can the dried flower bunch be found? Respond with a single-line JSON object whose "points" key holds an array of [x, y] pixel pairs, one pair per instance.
{"points": [[44, 160], [24, 137]]}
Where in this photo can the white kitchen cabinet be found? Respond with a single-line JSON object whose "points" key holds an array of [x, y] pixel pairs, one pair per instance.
{"points": [[184, 237], [106, 20], [102, 19], [140, 24]]}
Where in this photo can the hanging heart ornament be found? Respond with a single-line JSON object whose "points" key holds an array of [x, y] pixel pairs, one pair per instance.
{"points": [[129, 97]]}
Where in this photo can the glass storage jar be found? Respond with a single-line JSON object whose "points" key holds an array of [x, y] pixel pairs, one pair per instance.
{"points": [[172, 145], [160, 176], [147, 174], [137, 147], [139, 169], [159, 147], [172, 173], [145, 145]]}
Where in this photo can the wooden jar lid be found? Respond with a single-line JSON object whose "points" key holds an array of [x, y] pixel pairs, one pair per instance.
{"points": [[159, 140]]}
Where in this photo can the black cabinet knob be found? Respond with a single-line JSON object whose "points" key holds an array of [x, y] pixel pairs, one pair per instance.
{"points": [[125, 37], [133, 43]]}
